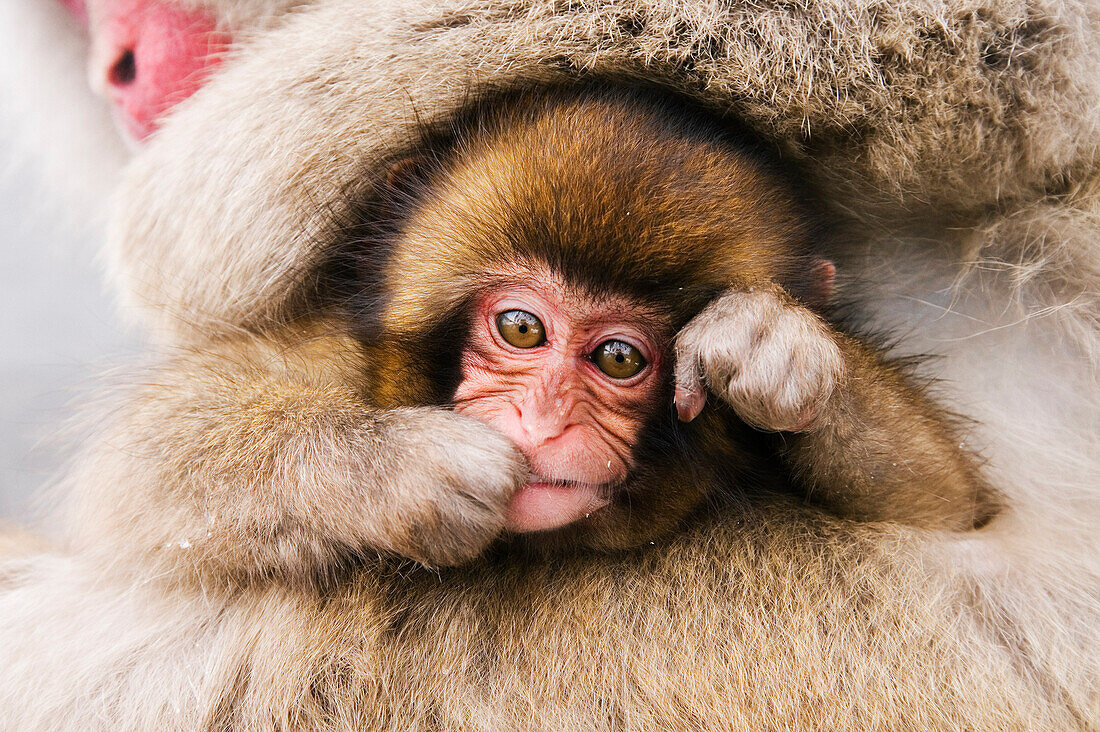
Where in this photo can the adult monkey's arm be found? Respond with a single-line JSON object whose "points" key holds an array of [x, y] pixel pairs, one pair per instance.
{"points": [[871, 105]]}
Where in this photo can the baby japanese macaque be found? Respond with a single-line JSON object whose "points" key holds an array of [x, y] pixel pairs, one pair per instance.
{"points": [[542, 303], [574, 264], [264, 463]]}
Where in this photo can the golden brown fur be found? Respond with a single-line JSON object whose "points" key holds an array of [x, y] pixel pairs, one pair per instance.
{"points": [[254, 482], [872, 447], [262, 458], [296, 458], [745, 621], [959, 110], [627, 193]]}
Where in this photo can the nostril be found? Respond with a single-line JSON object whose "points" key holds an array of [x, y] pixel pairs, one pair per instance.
{"points": [[124, 70]]}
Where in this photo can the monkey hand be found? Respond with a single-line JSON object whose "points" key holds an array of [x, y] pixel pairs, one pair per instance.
{"points": [[773, 360], [450, 479]]}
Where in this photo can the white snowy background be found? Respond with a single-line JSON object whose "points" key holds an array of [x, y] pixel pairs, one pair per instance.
{"points": [[58, 332], [59, 159]]}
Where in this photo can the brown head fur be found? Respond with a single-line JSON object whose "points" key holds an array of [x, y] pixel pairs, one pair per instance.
{"points": [[619, 193]]}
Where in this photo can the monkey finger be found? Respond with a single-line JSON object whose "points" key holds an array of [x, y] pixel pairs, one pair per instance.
{"points": [[690, 395], [689, 401]]}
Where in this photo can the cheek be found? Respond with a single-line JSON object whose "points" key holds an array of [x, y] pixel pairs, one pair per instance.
{"points": [[489, 386], [582, 432], [486, 399], [598, 448], [491, 391]]}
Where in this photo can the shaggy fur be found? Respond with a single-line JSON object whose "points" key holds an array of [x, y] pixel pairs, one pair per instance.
{"points": [[778, 621], [956, 142], [950, 110], [292, 457]]}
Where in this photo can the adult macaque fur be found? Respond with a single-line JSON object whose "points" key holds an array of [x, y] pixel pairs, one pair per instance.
{"points": [[956, 142]]}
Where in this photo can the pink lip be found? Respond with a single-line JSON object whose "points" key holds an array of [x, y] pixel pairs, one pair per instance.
{"points": [[541, 505]]}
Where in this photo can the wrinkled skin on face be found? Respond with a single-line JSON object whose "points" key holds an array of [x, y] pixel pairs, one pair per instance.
{"points": [[573, 391]]}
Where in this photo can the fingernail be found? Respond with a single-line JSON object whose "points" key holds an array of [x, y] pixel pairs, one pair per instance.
{"points": [[688, 403]]}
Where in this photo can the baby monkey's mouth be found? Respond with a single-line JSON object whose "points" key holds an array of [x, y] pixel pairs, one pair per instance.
{"points": [[548, 503]]}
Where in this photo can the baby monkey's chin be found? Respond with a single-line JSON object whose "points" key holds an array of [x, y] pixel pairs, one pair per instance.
{"points": [[544, 505]]}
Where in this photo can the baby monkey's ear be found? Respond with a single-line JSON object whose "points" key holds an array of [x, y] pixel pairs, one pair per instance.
{"points": [[820, 284], [408, 175]]}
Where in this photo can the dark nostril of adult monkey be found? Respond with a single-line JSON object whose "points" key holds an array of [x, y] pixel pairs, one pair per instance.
{"points": [[123, 72], [149, 55]]}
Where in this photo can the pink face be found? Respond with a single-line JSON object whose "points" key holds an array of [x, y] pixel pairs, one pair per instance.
{"points": [[149, 55], [571, 380]]}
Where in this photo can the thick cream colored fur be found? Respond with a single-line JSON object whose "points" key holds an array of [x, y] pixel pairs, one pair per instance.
{"points": [[950, 110], [956, 143]]}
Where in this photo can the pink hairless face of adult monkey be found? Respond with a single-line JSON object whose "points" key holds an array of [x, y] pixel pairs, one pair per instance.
{"points": [[147, 56]]}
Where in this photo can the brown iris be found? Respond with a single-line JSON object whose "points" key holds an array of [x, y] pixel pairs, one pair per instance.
{"points": [[521, 329], [618, 359]]}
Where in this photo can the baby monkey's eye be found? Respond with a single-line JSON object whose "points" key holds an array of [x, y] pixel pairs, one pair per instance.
{"points": [[617, 359], [521, 329]]}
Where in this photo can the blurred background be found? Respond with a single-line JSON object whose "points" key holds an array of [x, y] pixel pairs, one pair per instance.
{"points": [[57, 332], [59, 159]]}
